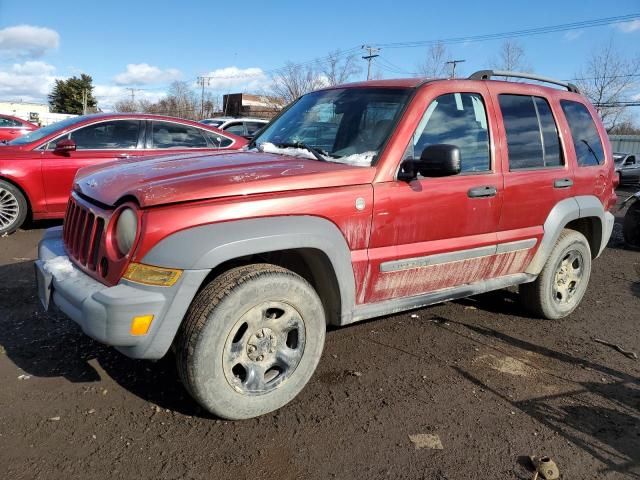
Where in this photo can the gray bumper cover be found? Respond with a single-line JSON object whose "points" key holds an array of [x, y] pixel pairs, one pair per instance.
{"points": [[105, 313]]}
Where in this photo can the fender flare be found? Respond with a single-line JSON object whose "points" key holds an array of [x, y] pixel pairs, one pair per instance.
{"points": [[562, 214], [207, 246]]}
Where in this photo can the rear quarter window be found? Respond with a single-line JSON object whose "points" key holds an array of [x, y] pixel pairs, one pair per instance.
{"points": [[586, 140]]}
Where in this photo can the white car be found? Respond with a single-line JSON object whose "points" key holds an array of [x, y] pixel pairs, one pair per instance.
{"points": [[245, 127]]}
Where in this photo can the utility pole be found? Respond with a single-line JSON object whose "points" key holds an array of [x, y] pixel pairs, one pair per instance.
{"points": [[133, 93], [453, 64], [84, 101], [373, 53], [202, 81]]}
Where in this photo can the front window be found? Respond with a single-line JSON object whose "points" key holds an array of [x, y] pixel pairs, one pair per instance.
{"points": [[113, 135], [345, 125], [43, 132]]}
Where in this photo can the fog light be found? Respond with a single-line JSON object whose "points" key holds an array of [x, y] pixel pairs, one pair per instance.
{"points": [[150, 275], [140, 325]]}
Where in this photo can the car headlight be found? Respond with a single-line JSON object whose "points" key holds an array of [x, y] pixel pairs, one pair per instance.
{"points": [[126, 230]]}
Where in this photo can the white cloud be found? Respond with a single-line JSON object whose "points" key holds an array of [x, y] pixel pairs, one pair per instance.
{"points": [[27, 40], [628, 27], [241, 79], [144, 74], [573, 34], [28, 81]]}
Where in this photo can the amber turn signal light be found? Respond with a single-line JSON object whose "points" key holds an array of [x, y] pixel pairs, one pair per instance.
{"points": [[150, 275], [140, 324]]}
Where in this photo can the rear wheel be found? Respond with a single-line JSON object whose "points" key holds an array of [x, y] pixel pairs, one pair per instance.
{"points": [[251, 341], [559, 288], [13, 208]]}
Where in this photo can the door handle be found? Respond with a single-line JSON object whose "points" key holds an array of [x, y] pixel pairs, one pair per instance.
{"points": [[562, 183], [481, 192], [125, 155]]}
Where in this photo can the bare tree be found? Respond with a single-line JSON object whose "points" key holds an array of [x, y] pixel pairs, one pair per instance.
{"points": [[127, 106], [512, 57], [337, 70], [293, 81], [607, 79], [434, 64]]}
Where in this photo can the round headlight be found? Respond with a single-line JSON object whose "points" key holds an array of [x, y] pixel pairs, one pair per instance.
{"points": [[126, 230]]}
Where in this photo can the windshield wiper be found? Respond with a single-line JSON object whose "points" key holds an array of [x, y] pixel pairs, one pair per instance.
{"points": [[314, 151], [591, 150]]}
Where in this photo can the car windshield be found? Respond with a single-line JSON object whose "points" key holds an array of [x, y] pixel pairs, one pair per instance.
{"points": [[617, 157], [345, 125], [43, 132]]}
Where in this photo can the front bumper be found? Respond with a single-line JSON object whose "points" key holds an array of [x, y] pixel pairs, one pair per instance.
{"points": [[105, 313]]}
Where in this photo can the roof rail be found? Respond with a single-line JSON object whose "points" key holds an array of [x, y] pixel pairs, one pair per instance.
{"points": [[487, 74]]}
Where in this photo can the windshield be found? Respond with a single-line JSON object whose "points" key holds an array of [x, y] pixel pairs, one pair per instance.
{"points": [[346, 125], [45, 131]]}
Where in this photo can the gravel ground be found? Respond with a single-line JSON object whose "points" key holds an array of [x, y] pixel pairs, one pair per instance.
{"points": [[478, 378]]}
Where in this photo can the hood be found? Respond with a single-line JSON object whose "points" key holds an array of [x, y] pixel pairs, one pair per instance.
{"points": [[190, 177]]}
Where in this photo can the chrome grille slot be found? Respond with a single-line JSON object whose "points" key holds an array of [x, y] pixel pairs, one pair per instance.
{"points": [[82, 233]]}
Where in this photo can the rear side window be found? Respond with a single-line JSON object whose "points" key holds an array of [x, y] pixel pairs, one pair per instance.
{"points": [[175, 135], [586, 140], [532, 134]]}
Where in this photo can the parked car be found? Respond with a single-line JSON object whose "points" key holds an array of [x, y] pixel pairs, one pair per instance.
{"points": [[627, 168], [14, 127], [37, 169], [245, 127], [430, 191], [631, 222]]}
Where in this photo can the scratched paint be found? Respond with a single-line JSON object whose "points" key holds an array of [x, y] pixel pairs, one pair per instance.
{"points": [[436, 277]]}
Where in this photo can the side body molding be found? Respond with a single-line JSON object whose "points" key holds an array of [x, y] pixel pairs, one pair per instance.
{"points": [[207, 246], [562, 213]]}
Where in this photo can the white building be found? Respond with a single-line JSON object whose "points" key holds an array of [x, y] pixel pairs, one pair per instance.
{"points": [[32, 112]]}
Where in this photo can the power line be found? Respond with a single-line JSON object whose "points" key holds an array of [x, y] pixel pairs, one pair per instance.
{"points": [[453, 64], [515, 33]]}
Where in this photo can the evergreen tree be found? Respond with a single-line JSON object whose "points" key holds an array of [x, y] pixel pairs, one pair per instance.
{"points": [[67, 95]]}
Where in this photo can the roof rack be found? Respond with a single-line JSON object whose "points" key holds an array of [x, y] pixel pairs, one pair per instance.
{"points": [[487, 74]]}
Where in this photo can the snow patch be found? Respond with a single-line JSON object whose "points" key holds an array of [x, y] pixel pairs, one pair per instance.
{"points": [[269, 147], [357, 159], [60, 267]]}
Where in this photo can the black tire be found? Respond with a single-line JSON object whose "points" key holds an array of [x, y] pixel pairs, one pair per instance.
{"points": [[13, 208], [251, 340], [556, 292], [631, 225]]}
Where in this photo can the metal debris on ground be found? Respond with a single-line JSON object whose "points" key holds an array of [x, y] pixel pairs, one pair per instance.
{"points": [[55, 419], [626, 353], [24, 377], [426, 440], [545, 467], [415, 315]]}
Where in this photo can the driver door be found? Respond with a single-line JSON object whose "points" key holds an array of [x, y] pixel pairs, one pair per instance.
{"points": [[429, 234], [98, 142]]}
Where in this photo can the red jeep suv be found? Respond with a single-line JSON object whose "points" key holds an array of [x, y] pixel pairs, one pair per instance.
{"points": [[357, 201]]}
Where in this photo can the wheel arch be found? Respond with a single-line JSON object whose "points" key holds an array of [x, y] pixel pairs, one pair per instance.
{"points": [[311, 246], [584, 214]]}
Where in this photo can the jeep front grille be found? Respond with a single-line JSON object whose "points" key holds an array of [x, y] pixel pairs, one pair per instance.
{"points": [[82, 234]]}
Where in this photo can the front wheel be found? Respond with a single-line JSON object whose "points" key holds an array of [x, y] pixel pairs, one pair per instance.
{"points": [[13, 208], [251, 341], [559, 288]]}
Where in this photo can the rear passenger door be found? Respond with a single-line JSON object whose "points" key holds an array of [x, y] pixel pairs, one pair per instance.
{"points": [[536, 173]]}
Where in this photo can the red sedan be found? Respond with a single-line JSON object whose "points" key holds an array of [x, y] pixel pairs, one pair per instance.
{"points": [[14, 127], [37, 169]]}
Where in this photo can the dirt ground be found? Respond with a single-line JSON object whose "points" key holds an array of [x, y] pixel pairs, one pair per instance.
{"points": [[493, 384]]}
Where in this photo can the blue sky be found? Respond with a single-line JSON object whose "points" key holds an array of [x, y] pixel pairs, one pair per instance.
{"points": [[148, 44]]}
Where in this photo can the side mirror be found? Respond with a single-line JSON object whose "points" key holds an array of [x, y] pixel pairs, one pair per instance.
{"points": [[65, 145], [440, 160]]}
